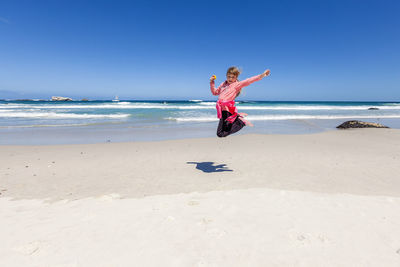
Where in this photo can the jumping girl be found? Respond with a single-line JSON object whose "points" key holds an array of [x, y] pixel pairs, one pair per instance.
{"points": [[230, 120]]}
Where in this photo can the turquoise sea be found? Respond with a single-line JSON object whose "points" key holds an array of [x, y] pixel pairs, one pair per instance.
{"points": [[49, 122]]}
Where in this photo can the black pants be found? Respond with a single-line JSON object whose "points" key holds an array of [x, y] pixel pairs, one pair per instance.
{"points": [[226, 128]]}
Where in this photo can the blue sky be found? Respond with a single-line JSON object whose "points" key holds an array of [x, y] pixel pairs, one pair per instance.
{"points": [[316, 50]]}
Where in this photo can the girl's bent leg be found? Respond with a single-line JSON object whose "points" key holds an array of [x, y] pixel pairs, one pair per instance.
{"points": [[225, 128], [237, 125]]}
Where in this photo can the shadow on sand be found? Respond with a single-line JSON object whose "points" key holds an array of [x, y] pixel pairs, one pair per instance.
{"points": [[210, 167]]}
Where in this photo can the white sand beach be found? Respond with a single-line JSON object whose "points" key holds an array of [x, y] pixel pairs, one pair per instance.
{"points": [[325, 199]]}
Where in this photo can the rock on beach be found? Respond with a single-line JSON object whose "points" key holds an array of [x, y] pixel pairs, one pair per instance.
{"points": [[360, 124]]}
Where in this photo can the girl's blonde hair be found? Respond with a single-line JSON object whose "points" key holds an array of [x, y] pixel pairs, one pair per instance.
{"points": [[234, 70]]}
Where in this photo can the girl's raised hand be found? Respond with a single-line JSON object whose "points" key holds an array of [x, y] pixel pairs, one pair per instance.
{"points": [[213, 78], [266, 73]]}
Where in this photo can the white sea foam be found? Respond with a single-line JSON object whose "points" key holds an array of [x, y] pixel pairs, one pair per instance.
{"points": [[321, 117], [200, 105], [301, 107], [50, 115], [109, 106], [208, 103], [47, 125], [289, 117], [193, 119]]}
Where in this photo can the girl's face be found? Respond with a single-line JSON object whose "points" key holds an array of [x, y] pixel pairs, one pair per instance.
{"points": [[231, 78]]}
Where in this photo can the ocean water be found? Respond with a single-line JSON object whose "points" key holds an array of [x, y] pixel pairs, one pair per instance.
{"points": [[47, 122]]}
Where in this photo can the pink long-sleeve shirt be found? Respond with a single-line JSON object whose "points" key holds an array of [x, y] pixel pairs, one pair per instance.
{"points": [[227, 94]]}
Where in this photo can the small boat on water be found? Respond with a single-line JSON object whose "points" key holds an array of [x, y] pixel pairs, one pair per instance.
{"points": [[115, 99]]}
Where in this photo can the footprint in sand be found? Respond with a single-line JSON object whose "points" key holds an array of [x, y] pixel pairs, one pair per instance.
{"points": [[67, 265], [215, 232], [193, 203], [323, 238], [204, 221], [203, 263], [110, 197], [307, 238], [29, 248], [301, 237], [170, 218]]}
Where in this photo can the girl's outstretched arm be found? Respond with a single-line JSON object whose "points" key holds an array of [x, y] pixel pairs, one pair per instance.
{"points": [[253, 79]]}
